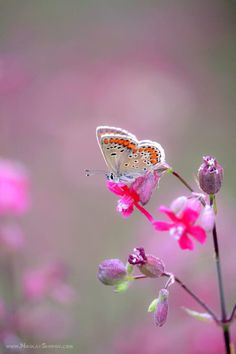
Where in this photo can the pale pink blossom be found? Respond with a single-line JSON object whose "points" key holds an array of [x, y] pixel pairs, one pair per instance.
{"points": [[11, 238]]}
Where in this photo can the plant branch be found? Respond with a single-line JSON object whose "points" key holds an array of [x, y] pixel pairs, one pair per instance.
{"points": [[232, 314], [190, 292], [220, 285]]}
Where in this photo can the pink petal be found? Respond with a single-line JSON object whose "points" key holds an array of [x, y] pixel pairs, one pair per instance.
{"points": [[162, 225], [185, 242], [125, 209], [127, 212], [169, 213], [198, 233], [207, 218], [116, 188], [189, 216]]}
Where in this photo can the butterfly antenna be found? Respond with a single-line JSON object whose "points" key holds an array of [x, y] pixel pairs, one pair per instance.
{"points": [[94, 172]]}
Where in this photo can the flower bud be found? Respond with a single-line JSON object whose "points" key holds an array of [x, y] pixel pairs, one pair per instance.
{"points": [[111, 271], [178, 204], [149, 265], [207, 218], [145, 185], [161, 312], [210, 175], [153, 268]]}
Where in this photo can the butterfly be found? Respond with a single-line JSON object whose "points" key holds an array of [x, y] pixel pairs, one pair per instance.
{"points": [[127, 157]]}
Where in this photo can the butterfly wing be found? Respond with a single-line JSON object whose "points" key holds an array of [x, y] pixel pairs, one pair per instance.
{"points": [[104, 129], [152, 151], [116, 150], [127, 157]]}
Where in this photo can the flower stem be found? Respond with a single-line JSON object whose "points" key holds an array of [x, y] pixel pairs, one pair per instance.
{"points": [[195, 297], [226, 332], [182, 180], [232, 314]]}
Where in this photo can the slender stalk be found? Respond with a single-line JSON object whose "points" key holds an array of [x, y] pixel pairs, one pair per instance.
{"points": [[190, 292], [195, 297], [226, 332], [182, 181], [232, 314]]}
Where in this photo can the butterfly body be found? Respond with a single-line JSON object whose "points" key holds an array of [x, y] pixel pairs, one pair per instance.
{"points": [[126, 157]]}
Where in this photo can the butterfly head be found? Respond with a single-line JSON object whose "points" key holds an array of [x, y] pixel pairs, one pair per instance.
{"points": [[112, 177]]}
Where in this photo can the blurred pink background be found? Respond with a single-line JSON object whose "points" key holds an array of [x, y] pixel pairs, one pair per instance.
{"points": [[164, 71]]}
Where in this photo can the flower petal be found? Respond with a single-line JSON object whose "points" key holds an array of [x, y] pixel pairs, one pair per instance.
{"points": [[207, 218], [189, 216], [169, 213], [198, 233], [162, 225], [185, 242], [116, 188], [125, 206]]}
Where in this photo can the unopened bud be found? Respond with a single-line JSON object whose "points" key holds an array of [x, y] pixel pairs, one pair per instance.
{"points": [[161, 312], [153, 268], [149, 265], [207, 218], [210, 175], [111, 271]]}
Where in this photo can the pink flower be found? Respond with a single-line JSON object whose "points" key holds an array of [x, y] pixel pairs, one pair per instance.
{"points": [[129, 199], [184, 214], [11, 238], [14, 196], [139, 192], [48, 281]]}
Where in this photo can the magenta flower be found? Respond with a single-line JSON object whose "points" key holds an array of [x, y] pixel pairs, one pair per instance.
{"points": [[14, 196], [139, 192], [184, 214]]}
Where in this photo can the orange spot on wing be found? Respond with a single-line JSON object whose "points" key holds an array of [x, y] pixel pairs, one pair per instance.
{"points": [[153, 161], [131, 146], [105, 141]]}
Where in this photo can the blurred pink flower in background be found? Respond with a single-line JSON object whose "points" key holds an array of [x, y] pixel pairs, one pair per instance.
{"points": [[43, 321], [48, 281], [14, 196], [11, 238], [13, 77]]}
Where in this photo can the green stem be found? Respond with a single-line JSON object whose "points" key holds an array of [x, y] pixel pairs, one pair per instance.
{"points": [[226, 331]]}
